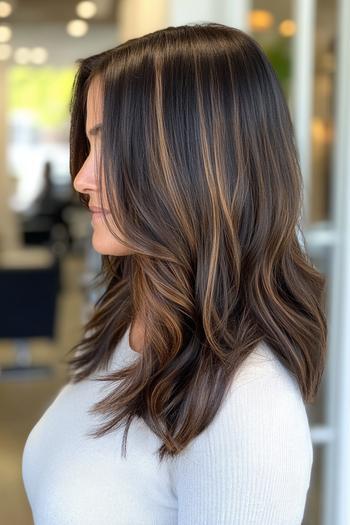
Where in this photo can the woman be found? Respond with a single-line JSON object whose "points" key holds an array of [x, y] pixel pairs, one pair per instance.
{"points": [[210, 333]]}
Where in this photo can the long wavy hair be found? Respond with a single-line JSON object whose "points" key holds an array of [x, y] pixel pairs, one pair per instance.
{"points": [[202, 176]]}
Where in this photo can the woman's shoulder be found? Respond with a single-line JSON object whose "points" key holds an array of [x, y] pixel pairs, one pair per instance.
{"points": [[262, 406], [262, 413], [264, 397], [256, 455], [263, 364]]}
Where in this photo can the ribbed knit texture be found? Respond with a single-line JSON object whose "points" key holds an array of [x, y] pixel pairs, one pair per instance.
{"points": [[252, 465]]}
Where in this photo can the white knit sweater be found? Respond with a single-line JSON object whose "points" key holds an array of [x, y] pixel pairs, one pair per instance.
{"points": [[252, 465]]}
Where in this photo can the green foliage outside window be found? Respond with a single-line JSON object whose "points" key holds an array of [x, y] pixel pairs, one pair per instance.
{"points": [[45, 90]]}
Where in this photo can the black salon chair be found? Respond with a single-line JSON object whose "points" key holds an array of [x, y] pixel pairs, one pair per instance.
{"points": [[28, 300]]}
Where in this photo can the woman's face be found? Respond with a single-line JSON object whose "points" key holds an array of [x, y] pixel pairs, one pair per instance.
{"points": [[86, 179]]}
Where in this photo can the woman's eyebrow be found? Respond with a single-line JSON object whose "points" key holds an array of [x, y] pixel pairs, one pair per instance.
{"points": [[95, 129]]}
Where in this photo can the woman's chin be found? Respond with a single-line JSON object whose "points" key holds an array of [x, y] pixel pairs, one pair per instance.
{"points": [[105, 246], [99, 248], [101, 244]]}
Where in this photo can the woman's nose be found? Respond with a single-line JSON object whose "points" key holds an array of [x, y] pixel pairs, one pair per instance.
{"points": [[84, 181]]}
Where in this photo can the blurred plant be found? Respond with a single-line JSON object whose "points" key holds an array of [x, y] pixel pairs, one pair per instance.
{"points": [[279, 54], [44, 90]]}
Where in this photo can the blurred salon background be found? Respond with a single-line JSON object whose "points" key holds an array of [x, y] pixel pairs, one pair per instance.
{"points": [[46, 259]]}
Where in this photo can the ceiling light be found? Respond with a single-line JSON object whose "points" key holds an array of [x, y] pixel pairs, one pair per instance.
{"points": [[260, 19], [5, 51], [5, 33], [5, 9], [86, 9], [38, 55], [77, 28], [22, 55], [287, 28]]}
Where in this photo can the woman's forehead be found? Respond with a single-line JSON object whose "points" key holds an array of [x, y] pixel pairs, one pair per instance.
{"points": [[94, 103]]}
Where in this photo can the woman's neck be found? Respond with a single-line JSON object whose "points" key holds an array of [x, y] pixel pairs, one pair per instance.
{"points": [[136, 336]]}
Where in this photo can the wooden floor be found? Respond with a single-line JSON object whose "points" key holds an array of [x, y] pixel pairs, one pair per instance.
{"points": [[23, 401]]}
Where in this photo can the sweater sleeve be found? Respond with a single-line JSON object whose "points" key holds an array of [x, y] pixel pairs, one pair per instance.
{"points": [[252, 464]]}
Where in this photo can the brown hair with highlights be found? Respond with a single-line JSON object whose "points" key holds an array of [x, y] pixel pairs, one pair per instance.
{"points": [[203, 180]]}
